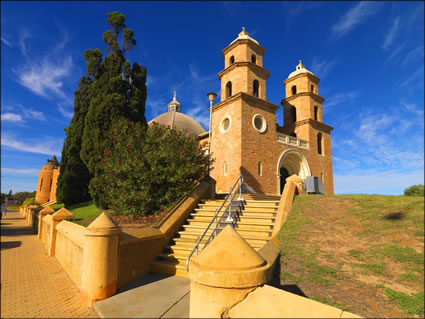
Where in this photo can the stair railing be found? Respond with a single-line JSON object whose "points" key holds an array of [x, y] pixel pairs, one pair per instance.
{"points": [[217, 221]]}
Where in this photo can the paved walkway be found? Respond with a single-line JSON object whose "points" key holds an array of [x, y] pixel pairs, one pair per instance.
{"points": [[151, 296], [33, 284]]}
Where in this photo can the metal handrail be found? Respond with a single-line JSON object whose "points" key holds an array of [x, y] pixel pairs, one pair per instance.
{"points": [[196, 248]]}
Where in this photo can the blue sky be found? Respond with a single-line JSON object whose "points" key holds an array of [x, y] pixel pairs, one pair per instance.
{"points": [[368, 55]]}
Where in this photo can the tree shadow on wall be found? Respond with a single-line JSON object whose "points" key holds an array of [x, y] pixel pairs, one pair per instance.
{"points": [[276, 281], [251, 184]]}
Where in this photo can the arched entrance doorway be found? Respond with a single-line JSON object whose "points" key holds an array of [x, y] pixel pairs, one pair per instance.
{"points": [[291, 162]]}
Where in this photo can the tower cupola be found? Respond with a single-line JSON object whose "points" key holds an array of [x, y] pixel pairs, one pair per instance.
{"points": [[243, 68], [174, 105]]}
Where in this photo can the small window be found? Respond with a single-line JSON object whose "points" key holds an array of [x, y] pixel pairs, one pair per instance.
{"points": [[315, 113], [232, 60], [319, 144], [294, 89], [259, 123], [225, 124], [41, 184], [312, 89], [321, 177], [228, 89], [255, 88], [260, 169], [253, 59], [225, 168], [51, 181]]}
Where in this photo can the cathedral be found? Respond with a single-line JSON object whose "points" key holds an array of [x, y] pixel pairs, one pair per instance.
{"points": [[244, 137]]}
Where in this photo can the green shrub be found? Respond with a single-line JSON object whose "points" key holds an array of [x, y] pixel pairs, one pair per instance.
{"points": [[415, 190], [30, 201], [149, 168]]}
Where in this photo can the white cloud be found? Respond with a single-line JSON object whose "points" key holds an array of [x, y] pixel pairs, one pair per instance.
{"points": [[24, 35], [11, 117], [20, 171], [353, 17], [392, 34], [44, 78], [322, 68], [6, 42], [34, 115], [339, 98], [395, 52], [63, 110], [415, 53], [198, 113], [419, 72], [48, 146]]}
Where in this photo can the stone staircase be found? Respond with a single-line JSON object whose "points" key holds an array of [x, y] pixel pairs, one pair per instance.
{"points": [[255, 225]]}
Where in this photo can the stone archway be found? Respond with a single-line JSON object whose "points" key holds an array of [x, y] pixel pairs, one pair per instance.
{"points": [[291, 162]]}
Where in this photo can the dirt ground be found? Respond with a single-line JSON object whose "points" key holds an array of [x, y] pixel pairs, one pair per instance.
{"points": [[353, 252]]}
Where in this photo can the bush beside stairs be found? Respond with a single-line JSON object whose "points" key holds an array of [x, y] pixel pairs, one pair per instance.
{"points": [[255, 224]]}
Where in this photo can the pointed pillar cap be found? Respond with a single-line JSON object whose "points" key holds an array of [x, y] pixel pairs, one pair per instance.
{"points": [[62, 214], [103, 225], [47, 210], [229, 262]]}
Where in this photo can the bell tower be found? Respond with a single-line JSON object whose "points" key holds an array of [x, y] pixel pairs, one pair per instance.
{"points": [[303, 119], [244, 122], [243, 68]]}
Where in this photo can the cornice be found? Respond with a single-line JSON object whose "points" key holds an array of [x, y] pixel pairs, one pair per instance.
{"points": [[314, 96], [265, 73]]}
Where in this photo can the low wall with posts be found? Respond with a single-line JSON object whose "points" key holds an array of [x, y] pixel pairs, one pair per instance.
{"points": [[102, 258], [69, 249]]}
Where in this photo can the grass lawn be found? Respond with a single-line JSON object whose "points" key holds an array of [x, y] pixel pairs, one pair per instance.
{"points": [[84, 213], [361, 253]]}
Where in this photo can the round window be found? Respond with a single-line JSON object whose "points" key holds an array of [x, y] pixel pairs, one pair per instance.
{"points": [[225, 124], [259, 123]]}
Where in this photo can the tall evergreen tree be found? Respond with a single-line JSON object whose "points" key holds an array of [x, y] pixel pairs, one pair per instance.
{"points": [[117, 90], [74, 178]]}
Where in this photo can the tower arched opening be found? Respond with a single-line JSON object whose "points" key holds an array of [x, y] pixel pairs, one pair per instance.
{"points": [[228, 89], [255, 88]]}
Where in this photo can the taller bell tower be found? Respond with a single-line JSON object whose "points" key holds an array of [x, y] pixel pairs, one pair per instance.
{"points": [[243, 123]]}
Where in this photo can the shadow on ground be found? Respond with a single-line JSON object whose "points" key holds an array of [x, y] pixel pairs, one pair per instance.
{"points": [[10, 244]]}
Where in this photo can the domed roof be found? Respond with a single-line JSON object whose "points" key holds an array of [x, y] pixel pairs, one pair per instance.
{"points": [[300, 68], [243, 35], [177, 120]]}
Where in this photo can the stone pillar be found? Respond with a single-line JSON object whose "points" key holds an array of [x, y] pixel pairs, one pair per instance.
{"points": [[41, 214], [100, 260], [28, 216], [223, 274], [57, 217]]}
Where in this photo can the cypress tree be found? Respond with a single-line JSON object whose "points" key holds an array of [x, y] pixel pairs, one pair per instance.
{"points": [[73, 180], [118, 90]]}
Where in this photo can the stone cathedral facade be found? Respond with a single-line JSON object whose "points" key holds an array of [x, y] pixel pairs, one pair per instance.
{"points": [[245, 137]]}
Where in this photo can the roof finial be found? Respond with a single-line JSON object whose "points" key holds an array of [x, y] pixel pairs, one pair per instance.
{"points": [[243, 29], [300, 61], [174, 98]]}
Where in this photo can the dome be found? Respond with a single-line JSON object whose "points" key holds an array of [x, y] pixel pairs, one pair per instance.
{"points": [[299, 69], [243, 35], [177, 120]]}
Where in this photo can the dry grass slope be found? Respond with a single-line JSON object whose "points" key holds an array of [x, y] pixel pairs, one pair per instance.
{"points": [[361, 253]]}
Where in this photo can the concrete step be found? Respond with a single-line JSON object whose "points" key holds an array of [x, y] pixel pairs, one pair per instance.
{"points": [[168, 268], [243, 218], [246, 207], [246, 234], [190, 242], [244, 213], [241, 224], [247, 202]]}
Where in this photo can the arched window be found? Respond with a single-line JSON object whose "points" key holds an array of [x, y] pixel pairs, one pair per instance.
{"points": [[225, 168], [41, 184], [294, 89], [260, 169], [319, 144], [312, 88], [255, 88], [253, 59], [228, 89], [232, 59], [293, 114], [315, 113]]}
